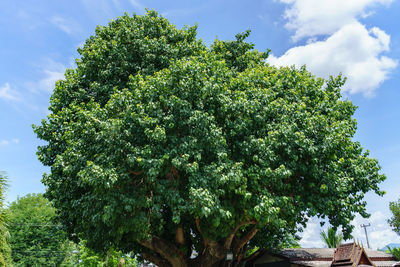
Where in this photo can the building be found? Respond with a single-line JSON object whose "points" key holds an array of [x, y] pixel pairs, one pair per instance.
{"points": [[345, 255]]}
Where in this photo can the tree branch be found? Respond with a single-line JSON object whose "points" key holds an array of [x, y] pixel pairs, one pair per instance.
{"points": [[156, 259], [241, 255], [228, 240], [205, 241], [136, 173], [166, 249], [243, 241], [254, 255]]}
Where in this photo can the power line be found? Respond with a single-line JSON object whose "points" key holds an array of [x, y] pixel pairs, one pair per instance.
{"points": [[37, 225]]}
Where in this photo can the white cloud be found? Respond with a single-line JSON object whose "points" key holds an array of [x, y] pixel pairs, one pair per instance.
{"points": [[7, 94], [4, 142], [51, 71], [311, 235], [379, 233], [348, 48], [66, 25], [316, 17], [352, 50], [99, 9], [48, 82], [138, 6]]}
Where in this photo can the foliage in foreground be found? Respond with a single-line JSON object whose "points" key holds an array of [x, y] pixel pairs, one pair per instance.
{"points": [[5, 250], [162, 146], [395, 220], [113, 258], [331, 238]]}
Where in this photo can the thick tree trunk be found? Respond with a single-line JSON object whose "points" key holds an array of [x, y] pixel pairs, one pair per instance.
{"points": [[165, 251], [211, 256], [167, 254]]}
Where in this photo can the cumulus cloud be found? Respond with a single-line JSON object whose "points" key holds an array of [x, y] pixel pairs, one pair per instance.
{"points": [[7, 94], [316, 17], [310, 237], [348, 46], [379, 232], [352, 50]]}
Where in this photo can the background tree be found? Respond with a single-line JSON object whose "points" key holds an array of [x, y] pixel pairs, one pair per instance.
{"points": [[5, 250], [331, 238], [35, 238], [395, 220], [162, 146]]}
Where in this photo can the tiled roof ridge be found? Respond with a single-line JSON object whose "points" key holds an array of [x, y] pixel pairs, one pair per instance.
{"points": [[350, 254], [345, 252], [331, 258]]}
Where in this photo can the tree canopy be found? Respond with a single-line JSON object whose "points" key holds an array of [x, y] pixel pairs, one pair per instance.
{"points": [[395, 220], [162, 146]]}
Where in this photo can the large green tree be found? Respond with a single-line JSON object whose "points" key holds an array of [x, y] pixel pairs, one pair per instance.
{"points": [[5, 250], [162, 146], [395, 220], [35, 238]]}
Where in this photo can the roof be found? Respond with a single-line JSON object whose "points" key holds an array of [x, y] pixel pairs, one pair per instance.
{"points": [[313, 263], [345, 251], [323, 257], [351, 254], [385, 263], [307, 253], [325, 253]]}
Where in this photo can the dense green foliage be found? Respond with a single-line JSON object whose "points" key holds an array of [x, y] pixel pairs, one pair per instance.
{"points": [[5, 250], [395, 220], [34, 237], [160, 146], [331, 238]]}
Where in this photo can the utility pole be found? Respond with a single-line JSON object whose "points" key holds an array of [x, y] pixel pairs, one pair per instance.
{"points": [[365, 229]]}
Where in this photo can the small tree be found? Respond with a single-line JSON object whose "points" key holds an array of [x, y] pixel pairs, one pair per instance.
{"points": [[331, 238], [35, 237], [395, 220], [162, 146], [5, 250]]}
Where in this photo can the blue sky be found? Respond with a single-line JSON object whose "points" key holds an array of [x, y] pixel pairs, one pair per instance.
{"points": [[360, 38]]}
